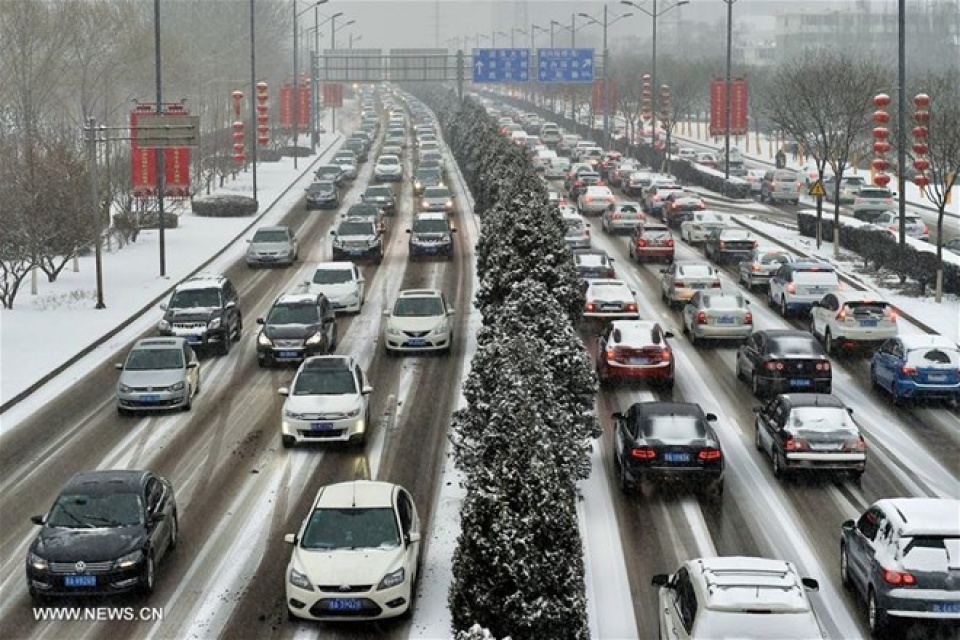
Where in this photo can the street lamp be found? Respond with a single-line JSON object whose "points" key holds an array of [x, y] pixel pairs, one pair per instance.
{"points": [[333, 45], [493, 37], [315, 68], [606, 65], [352, 39], [727, 92], [296, 81], [513, 32], [654, 14]]}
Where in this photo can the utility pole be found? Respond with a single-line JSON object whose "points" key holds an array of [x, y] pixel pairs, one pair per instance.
{"points": [[160, 154], [91, 136]]}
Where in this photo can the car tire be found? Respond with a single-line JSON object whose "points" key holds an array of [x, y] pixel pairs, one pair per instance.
{"points": [[784, 310], [714, 490], [694, 340], [225, 344], [149, 577], [188, 405], [626, 487], [845, 567], [756, 439], [288, 441], [667, 385], [779, 465], [174, 532], [828, 344], [876, 617], [38, 599], [121, 411], [755, 386]]}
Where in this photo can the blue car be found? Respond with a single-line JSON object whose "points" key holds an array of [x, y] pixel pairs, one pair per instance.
{"points": [[918, 367]]}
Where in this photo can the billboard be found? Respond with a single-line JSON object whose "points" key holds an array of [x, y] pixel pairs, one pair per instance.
{"points": [[332, 94], [287, 107], [601, 93], [176, 167], [738, 107]]}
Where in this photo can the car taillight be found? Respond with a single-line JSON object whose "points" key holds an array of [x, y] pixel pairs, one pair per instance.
{"points": [[631, 306], [899, 578], [723, 245], [926, 230], [791, 288], [795, 444], [755, 244], [842, 315], [670, 242], [616, 216], [591, 306], [856, 445], [643, 454], [754, 267], [666, 354], [773, 366], [611, 354], [908, 371], [702, 318], [893, 315], [710, 454], [588, 198], [641, 242], [656, 198], [715, 285], [823, 366], [748, 318]]}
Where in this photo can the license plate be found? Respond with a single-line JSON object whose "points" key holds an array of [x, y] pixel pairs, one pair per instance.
{"points": [[937, 377], [194, 339], [868, 323], [267, 258], [80, 581], [288, 354], [321, 426], [825, 446], [698, 285], [344, 604], [946, 607], [429, 249], [150, 398], [726, 320], [676, 457], [800, 382], [610, 307], [416, 342], [639, 360]]}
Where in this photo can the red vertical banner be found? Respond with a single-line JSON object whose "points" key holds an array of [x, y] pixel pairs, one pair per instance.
{"points": [[597, 97], [286, 107], [738, 106], [144, 164], [332, 94], [718, 107], [304, 114], [176, 166]]}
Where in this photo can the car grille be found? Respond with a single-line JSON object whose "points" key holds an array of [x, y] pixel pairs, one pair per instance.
{"points": [[356, 245], [71, 567], [416, 334], [148, 389], [320, 435], [345, 588], [287, 344], [190, 325]]}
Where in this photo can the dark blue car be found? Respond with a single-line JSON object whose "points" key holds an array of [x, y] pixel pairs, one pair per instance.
{"points": [[918, 367]]}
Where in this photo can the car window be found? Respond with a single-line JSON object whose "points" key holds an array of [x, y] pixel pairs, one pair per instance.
{"points": [[293, 314], [820, 418], [430, 226], [314, 382], [153, 359], [793, 345], [355, 229], [876, 309], [695, 270], [686, 599], [785, 176], [405, 511], [928, 357], [869, 523], [351, 528], [816, 278], [332, 276], [672, 428], [931, 551], [195, 298], [418, 307], [722, 302], [94, 510]]}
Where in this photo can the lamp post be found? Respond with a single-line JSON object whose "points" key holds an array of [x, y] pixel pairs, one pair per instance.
{"points": [[513, 32], [606, 65], [159, 153], [728, 98], [654, 14], [333, 45], [534, 28], [315, 62], [253, 103], [357, 39], [493, 37], [296, 76]]}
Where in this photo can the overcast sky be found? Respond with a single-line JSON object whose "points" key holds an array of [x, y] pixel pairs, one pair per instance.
{"points": [[389, 24]]}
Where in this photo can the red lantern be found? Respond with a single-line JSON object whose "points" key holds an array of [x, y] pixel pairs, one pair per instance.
{"points": [[262, 108], [923, 117], [921, 180], [240, 158], [920, 149], [921, 101], [238, 147], [920, 132], [263, 118], [881, 133], [881, 179], [262, 87], [880, 164], [263, 129], [881, 117], [238, 136], [882, 100], [263, 140], [238, 125], [881, 147], [921, 164]]}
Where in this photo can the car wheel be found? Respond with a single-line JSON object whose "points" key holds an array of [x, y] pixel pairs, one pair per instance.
{"points": [[123, 412], [779, 465], [667, 385], [844, 567], [876, 617], [784, 311], [38, 598], [740, 375], [225, 344], [174, 531], [188, 405], [626, 487], [755, 385], [288, 441], [828, 344], [149, 577], [714, 490], [756, 439], [694, 340]]}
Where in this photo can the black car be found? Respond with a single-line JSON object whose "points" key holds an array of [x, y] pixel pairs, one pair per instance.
{"points": [[728, 245], [298, 325], [431, 235], [383, 197], [667, 442], [323, 195], [784, 361], [426, 177], [357, 239], [330, 173], [359, 147], [105, 534], [204, 309]]}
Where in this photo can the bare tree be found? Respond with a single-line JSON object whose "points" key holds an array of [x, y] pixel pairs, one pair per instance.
{"points": [[824, 100]]}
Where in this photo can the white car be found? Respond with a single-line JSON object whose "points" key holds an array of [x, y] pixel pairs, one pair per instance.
{"points": [[736, 597], [852, 318], [696, 230], [577, 232], [609, 299], [914, 226], [687, 153], [595, 200], [419, 321], [623, 217], [328, 401], [342, 284], [388, 167], [356, 555]]}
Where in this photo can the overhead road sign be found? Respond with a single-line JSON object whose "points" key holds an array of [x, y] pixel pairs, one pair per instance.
{"points": [[565, 65], [501, 65], [419, 65], [817, 190], [352, 65], [168, 131]]}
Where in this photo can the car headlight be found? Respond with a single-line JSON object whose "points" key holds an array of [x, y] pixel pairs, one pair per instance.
{"points": [[354, 413], [129, 560], [163, 325], [176, 386], [298, 579], [440, 328], [263, 340], [38, 563], [392, 330], [214, 324], [125, 389], [449, 203], [292, 415], [287, 252], [316, 338], [392, 579]]}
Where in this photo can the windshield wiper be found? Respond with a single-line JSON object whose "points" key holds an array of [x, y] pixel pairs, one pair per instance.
{"points": [[76, 519]]}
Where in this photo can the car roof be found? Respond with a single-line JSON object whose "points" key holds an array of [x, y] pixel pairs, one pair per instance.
{"points": [[813, 400], [338, 265], [735, 583], [106, 481], [634, 331], [921, 340], [669, 408], [275, 227], [430, 215], [848, 295], [415, 293], [924, 516], [166, 342], [203, 281], [296, 298], [356, 494]]}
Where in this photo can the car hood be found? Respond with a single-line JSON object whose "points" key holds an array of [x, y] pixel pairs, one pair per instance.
{"points": [[57, 544], [192, 314], [367, 238], [290, 330], [268, 246], [348, 566], [437, 200], [152, 378], [322, 404], [335, 291], [418, 323]]}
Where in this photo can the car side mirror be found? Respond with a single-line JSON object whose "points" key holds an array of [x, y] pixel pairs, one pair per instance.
{"points": [[386, 313], [361, 280], [157, 517], [453, 230], [333, 232], [848, 524], [660, 580], [37, 519], [284, 391], [193, 365], [451, 311], [290, 538], [757, 409], [230, 305], [163, 306], [663, 270], [413, 536], [118, 366], [616, 415], [711, 417], [366, 390], [850, 410], [261, 321], [810, 584], [409, 231], [668, 334]]}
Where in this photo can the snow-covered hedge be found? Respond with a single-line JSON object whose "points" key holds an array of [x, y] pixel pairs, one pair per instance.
{"points": [[224, 206]]}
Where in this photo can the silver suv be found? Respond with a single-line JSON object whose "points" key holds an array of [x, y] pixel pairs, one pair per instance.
{"points": [[357, 239], [736, 597]]}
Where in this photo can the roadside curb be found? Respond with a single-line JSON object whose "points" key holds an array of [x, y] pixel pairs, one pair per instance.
{"points": [[9, 404]]}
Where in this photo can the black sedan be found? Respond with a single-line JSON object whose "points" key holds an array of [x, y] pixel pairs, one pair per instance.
{"points": [[810, 431], [105, 534], [667, 442], [784, 361], [323, 195], [382, 196]]}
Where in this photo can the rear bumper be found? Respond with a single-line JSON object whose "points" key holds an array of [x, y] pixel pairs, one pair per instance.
{"points": [[827, 461], [722, 332], [616, 371]]}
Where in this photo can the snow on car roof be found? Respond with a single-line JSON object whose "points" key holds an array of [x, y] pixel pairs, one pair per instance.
{"points": [[930, 516], [634, 332], [359, 494], [921, 340]]}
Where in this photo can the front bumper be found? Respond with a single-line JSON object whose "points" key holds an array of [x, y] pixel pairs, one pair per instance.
{"points": [[269, 261], [107, 581], [281, 355], [431, 249], [356, 253], [403, 343], [153, 400], [198, 338], [306, 431], [332, 604]]}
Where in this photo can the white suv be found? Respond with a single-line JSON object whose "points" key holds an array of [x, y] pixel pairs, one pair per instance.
{"points": [[419, 321], [341, 283], [388, 167], [736, 597], [852, 318], [328, 401]]}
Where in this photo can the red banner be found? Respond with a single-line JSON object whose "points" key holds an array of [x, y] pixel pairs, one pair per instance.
{"points": [[286, 107], [332, 94], [601, 93], [738, 107], [304, 114], [176, 175]]}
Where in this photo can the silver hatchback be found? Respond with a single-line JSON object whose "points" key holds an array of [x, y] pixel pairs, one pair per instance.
{"points": [[271, 246], [158, 374]]}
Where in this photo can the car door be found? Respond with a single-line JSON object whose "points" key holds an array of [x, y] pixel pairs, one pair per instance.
{"points": [[193, 373], [777, 281], [624, 433], [328, 318], [748, 354], [668, 279], [159, 531], [680, 610], [820, 315], [862, 546], [883, 362], [690, 310], [409, 523], [768, 423]]}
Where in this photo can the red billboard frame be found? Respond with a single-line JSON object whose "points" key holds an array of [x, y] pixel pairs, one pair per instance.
{"points": [[176, 174], [739, 99], [332, 94]]}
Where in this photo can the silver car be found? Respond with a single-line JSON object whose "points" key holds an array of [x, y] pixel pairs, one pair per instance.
{"points": [[271, 246], [760, 265], [717, 315], [578, 231], [437, 199], [623, 217], [158, 374]]}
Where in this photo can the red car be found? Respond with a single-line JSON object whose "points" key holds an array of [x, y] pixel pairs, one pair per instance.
{"points": [[652, 241], [635, 350]]}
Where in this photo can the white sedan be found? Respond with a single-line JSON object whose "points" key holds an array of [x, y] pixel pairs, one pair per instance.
{"points": [[696, 230], [609, 299], [419, 321], [595, 200]]}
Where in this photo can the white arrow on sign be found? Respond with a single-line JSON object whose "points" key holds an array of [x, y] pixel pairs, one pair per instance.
{"points": [[479, 66], [587, 62]]}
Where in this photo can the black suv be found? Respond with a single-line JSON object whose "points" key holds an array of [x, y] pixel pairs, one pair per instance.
{"points": [[357, 239], [431, 235], [204, 309], [382, 196], [298, 325]]}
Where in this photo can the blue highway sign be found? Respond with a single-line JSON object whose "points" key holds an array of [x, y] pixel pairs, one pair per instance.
{"points": [[501, 65], [564, 65]]}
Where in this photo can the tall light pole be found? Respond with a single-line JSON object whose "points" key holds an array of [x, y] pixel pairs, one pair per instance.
{"points": [[534, 28], [253, 103], [160, 154], [296, 77], [333, 45], [352, 39], [654, 14], [728, 98], [513, 32], [493, 37], [606, 65]]}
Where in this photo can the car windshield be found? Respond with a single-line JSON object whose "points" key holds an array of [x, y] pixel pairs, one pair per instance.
{"points": [[820, 418], [735, 234], [195, 298], [781, 258], [324, 382], [413, 307], [82, 510], [436, 192], [695, 271], [355, 229], [328, 171], [378, 192], [332, 276], [294, 314], [351, 528], [934, 550], [926, 356], [271, 235], [723, 302], [322, 186], [430, 226], [816, 278], [153, 359], [794, 345], [385, 160], [672, 428]]}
